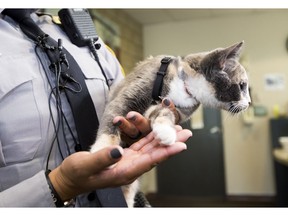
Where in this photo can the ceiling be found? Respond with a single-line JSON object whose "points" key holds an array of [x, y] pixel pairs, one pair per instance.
{"points": [[153, 16]]}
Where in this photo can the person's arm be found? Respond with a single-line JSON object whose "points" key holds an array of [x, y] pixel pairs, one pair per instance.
{"points": [[84, 171], [31, 192], [142, 155]]}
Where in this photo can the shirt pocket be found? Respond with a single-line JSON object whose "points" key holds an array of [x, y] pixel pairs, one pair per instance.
{"points": [[20, 128], [94, 77]]}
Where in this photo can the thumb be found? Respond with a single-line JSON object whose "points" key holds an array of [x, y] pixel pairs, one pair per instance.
{"points": [[104, 158]]}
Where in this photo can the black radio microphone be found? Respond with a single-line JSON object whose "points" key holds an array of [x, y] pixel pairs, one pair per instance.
{"points": [[78, 25]]}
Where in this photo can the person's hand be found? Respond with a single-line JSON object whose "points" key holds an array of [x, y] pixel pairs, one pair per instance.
{"points": [[135, 126], [84, 171]]}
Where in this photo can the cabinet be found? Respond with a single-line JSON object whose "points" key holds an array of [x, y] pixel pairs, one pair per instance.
{"points": [[279, 127], [198, 171]]}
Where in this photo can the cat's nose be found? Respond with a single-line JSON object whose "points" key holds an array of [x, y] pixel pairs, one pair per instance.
{"points": [[249, 100]]}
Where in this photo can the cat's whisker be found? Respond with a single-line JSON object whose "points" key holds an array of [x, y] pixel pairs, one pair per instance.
{"points": [[227, 116]]}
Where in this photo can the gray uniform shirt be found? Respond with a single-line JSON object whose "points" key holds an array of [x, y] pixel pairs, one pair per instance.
{"points": [[26, 129]]}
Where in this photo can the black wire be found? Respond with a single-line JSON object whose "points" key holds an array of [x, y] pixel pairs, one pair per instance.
{"points": [[50, 109], [55, 91], [58, 104], [62, 117], [61, 84], [61, 114], [93, 50], [56, 130]]}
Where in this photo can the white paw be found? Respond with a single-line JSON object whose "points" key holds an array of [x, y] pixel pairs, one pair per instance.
{"points": [[166, 134]]}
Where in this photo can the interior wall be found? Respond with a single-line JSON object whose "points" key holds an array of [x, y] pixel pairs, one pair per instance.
{"points": [[247, 148], [126, 31], [130, 36]]}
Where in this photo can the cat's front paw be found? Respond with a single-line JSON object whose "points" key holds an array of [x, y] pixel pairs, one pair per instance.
{"points": [[166, 134]]}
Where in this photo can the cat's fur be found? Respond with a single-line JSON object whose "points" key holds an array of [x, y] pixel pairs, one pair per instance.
{"points": [[215, 79]]}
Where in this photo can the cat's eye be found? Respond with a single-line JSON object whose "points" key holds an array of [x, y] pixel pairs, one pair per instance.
{"points": [[243, 85]]}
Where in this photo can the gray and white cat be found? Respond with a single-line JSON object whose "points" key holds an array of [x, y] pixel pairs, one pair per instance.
{"points": [[215, 79]]}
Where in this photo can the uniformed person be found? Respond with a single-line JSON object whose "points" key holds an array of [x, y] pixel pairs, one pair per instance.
{"points": [[27, 131]]}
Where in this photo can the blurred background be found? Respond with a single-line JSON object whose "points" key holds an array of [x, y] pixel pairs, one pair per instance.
{"points": [[230, 161]]}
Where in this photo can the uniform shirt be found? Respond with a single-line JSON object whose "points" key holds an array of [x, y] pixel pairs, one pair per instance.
{"points": [[26, 126]]}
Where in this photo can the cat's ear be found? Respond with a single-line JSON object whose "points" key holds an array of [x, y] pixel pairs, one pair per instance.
{"points": [[214, 62], [232, 52]]}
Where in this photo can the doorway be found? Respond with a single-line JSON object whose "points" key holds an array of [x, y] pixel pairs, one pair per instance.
{"points": [[198, 171]]}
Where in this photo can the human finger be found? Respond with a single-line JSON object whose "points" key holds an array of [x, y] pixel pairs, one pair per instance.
{"points": [[133, 127], [166, 102], [125, 126], [148, 142], [140, 122], [142, 142], [182, 136], [75, 174], [103, 158], [148, 160]]}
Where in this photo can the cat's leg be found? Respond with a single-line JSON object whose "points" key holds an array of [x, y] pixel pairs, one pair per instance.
{"points": [[162, 124], [129, 192], [105, 140]]}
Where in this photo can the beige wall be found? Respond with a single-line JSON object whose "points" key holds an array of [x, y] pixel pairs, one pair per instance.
{"points": [[130, 34], [131, 37], [248, 160]]}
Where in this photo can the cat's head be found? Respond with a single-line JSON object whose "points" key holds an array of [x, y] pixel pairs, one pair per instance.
{"points": [[225, 81]]}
